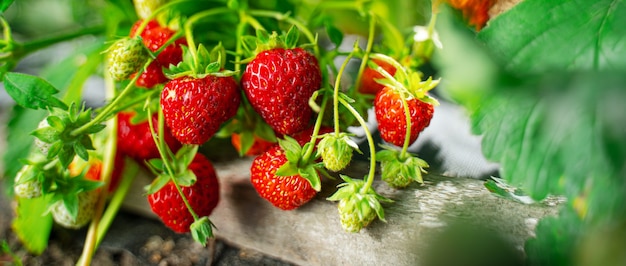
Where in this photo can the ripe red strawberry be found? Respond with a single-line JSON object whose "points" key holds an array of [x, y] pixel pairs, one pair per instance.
{"points": [[392, 121], [152, 76], [259, 145], [278, 83], [202, 196], [284, 192], [135, 140], [368, 83], [154, 37], [195, 108]]}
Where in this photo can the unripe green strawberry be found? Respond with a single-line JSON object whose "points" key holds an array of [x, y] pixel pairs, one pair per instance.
{"points": [[351, 220], [26, 183], [357, 208], [399, 170], [126, 56], [86, 208], [40, 144], [336, 151], [145, 8]]}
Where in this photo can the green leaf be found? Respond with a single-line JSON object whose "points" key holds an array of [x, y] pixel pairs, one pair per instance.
{"points": [[33, 224], [566, 34], [334, 34], [31, 91], [4, 4]]}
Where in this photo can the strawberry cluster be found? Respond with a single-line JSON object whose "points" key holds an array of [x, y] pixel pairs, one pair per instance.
{"points": [[273, 100]]}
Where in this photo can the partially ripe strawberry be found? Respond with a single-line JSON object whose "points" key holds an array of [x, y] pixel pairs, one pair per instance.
{"points": [[151, 76], [259, 145], [125, 57], [368, 83], [391, 117], [154, 37], [278, 83], [203, 197], [284, 192], [135, 140], [86, 209], [195, 108]]}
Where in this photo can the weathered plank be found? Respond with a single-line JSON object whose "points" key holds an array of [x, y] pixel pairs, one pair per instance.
{"points": [[312, 235]]}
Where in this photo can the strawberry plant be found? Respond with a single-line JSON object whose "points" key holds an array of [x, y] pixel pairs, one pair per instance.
{"points": [[276, 79]]}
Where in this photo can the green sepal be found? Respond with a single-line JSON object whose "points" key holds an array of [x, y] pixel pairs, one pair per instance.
{"points": [[201, 230], [46, 134], [287, 169], [159, 182], [292, 37], [186, 178], [56, 123], [292, 149], [310, 174], [81, 151], [246, 139]]}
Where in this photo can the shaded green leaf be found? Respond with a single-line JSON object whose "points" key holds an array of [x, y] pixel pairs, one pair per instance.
{"points": [[4, 4], [334, 34], [31, 91], [32, 223], [568, 34]]}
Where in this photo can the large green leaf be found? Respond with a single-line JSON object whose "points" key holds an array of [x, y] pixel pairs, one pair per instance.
{"points": [[540, 35]]}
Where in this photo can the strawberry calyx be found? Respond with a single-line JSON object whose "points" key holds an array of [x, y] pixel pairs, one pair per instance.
{"points": [[336, 150], [175, 170], [200, 63], [202, 230], [68, 188], [358, 208], [297, 163], [265, 42], [400, 171], [58, 137], [405, 81]]}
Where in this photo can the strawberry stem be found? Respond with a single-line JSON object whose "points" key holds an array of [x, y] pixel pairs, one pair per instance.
{"points": [[131, 168], [336, 89], [316, 129], [407, 136], [189, 31], [368, 49], [370, 142], [107, 164], [285, 17], [109, 108], [163, 148]]}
